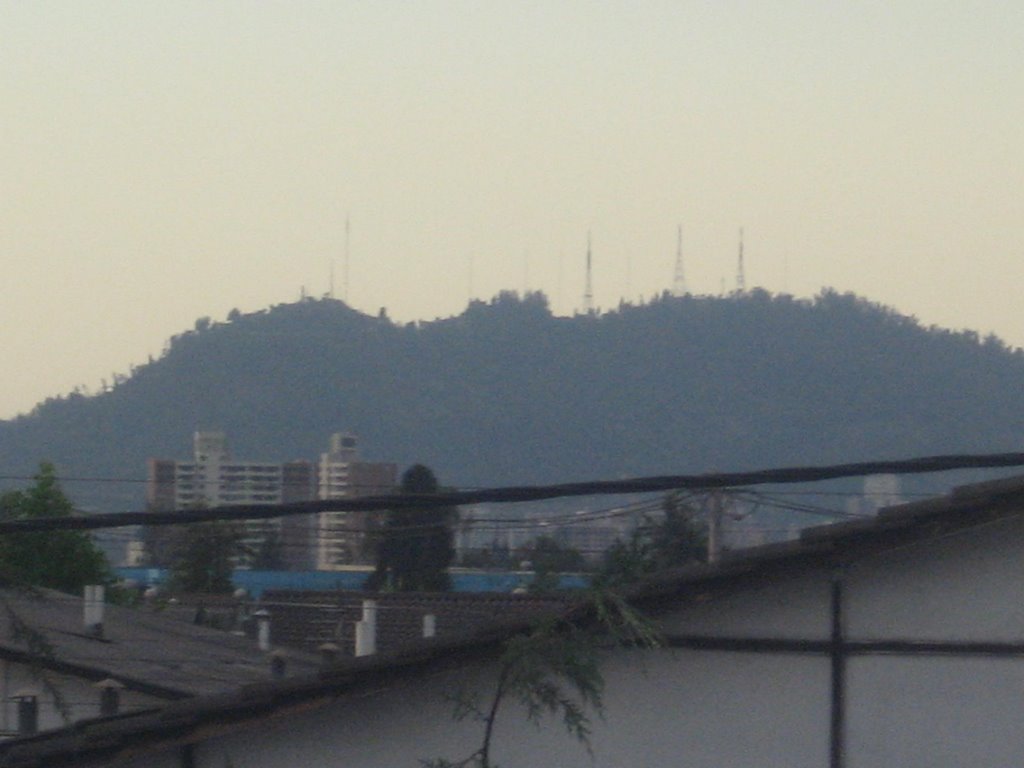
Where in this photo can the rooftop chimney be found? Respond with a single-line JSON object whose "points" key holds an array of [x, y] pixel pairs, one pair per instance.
{"points": [[110, 696], [366, 630], [278, 665], [93, 609], [262, 617], [328, 655], [28, 711]]}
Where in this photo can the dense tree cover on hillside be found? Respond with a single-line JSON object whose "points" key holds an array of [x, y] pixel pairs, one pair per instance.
{"points": [[507, 393]]}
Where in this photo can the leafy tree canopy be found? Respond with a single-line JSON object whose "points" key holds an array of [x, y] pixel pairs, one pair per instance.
{"points": [[205, 558], [548, 555], [548, 558], [676, 538], [62, 560], [269, 556], [416, 546]]}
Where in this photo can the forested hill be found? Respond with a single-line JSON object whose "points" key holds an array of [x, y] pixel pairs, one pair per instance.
{"points": [[508, 393]]}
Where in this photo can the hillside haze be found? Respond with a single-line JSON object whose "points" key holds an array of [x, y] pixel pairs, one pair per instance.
{"points": [[507, 393]]}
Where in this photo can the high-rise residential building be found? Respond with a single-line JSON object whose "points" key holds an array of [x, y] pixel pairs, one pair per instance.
{"points": [[329, 540], [213, 479], [345, 538]]}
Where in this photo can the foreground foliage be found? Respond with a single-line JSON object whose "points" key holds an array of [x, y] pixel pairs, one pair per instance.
{"points": [[554, 670]]}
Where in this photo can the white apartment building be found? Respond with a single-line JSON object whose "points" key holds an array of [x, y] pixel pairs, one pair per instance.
{"points": [[342, 537], [214, 479], [326, 541]]}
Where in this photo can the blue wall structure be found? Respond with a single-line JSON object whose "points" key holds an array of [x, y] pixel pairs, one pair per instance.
{"points": [[254, 582]]}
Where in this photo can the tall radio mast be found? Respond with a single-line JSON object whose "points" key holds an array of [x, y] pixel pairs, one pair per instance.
{"points": [[330, 287], [588, 291], [679, 283], [347, 238], [741, 278]]}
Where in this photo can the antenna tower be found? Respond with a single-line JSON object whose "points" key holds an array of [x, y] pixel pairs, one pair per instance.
{"points": [[741, 278], [330, 287], [588, 291], [347, 238], [679, 283]]}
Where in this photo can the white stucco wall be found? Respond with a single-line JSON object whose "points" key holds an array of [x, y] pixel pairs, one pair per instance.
{"points": [[965, 586], [665, 709], [935, 712], [796, 607], [704, 709]]}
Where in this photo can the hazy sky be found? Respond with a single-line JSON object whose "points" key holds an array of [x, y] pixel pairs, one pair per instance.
{"points": [[162, 161]]}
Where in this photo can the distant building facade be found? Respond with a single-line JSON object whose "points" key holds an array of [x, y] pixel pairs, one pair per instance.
{"points": [[344, 538], [879, 491], [213, 478]]}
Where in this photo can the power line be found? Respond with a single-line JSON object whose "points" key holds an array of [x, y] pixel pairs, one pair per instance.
{"points": [[775, 502], [780, 476], [529, 525], [484, 523]]}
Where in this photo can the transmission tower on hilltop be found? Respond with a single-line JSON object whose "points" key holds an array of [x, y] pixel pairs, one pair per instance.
{"points": [[679, 282], [588, 290], [348, 238], [741, 278]]}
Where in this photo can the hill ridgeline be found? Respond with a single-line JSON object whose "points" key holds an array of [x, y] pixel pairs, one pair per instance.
{"points": [[507, 393]]}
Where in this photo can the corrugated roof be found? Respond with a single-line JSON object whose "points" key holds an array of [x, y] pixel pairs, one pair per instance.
{"points": [[140, 648]]}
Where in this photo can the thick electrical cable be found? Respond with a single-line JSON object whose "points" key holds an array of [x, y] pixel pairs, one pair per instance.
{"points": [[780, 476]]}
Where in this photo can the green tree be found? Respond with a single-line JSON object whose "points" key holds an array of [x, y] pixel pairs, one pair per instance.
{"points": [[205, 558], [546, 554], [62, 560], [269, 555], [548, 559], [496, 556], [415, 548], [678, 538], [672, 540]]}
